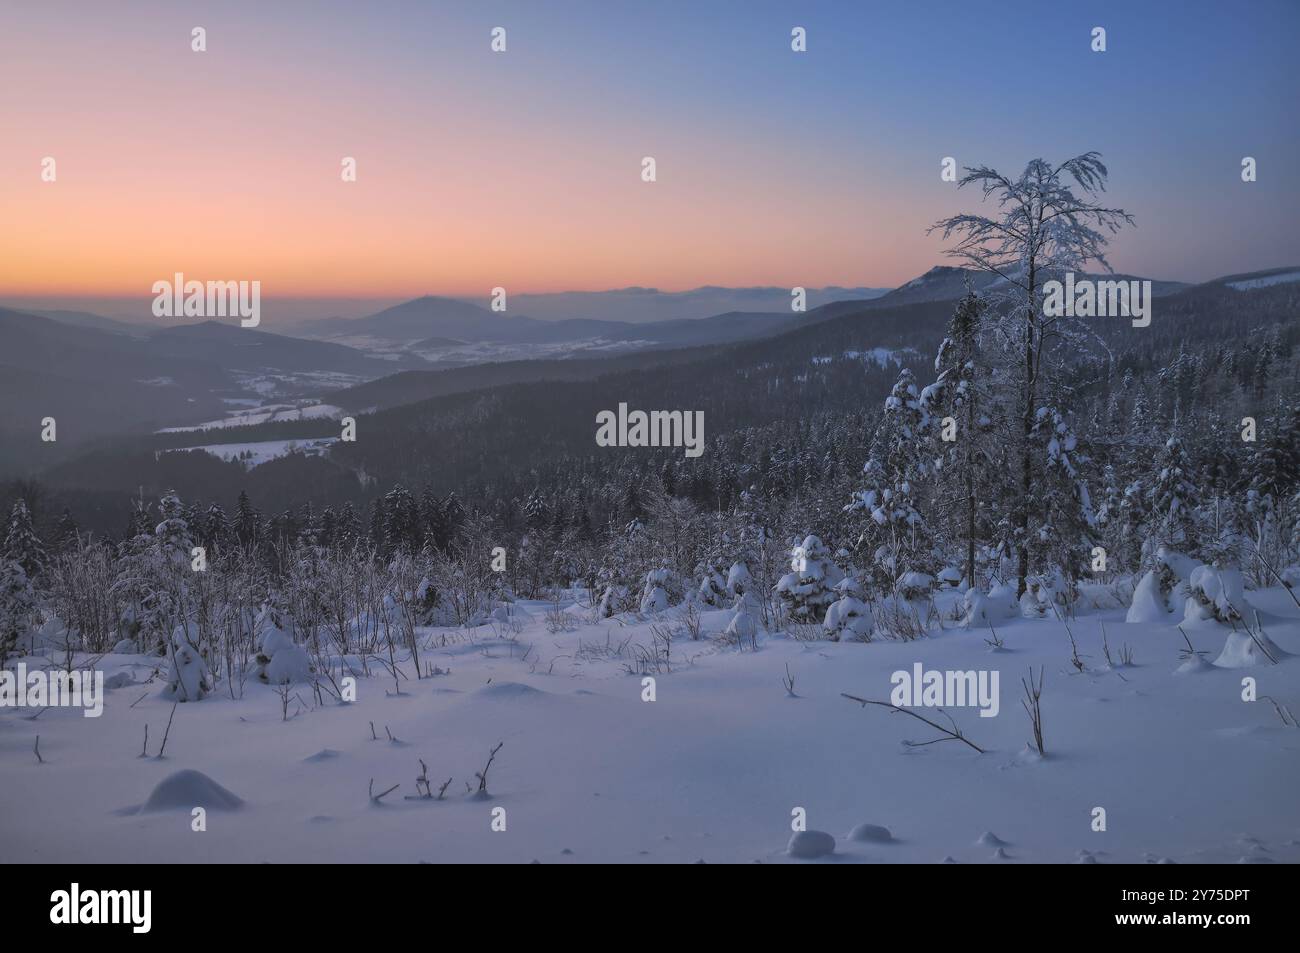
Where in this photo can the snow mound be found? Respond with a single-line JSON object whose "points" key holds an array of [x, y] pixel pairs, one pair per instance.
{"points": [[190, 789], [1193, 665], [742, 627], [1244, 649], [982, 609], [1153, 597], [989, 839], [810, 844], [509, 690], [325, 754], [119, 680], [279, 660], [871, 833], [509, 612], [1149, 604]]}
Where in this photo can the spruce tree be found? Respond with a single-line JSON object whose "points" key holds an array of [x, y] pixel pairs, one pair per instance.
{"points": [[22, 545]]}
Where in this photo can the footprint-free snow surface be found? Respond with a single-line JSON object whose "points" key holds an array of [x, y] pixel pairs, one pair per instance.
{"points": [[723, 765]]}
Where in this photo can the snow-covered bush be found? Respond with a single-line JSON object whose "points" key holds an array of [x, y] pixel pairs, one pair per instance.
{"points": [[1217, 594], [1156, 594], [738, 580], [654, 596], [743, 626], [279, 660], [848, 619], [915, 585], [950, 577], [997, 604], [1039, 598], [712, 590], [189, 679], [808, 589], [1244, 648]]}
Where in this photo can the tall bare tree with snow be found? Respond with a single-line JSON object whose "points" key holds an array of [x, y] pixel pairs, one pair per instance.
{"points": [[1049, 221]]}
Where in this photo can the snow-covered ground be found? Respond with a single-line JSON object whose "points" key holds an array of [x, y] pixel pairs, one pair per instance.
{"points": [[263, 413], [711, 769], [1267, 281], [261, 451]]}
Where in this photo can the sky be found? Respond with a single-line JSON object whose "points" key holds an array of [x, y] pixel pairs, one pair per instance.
{"points": [[522, 169]]}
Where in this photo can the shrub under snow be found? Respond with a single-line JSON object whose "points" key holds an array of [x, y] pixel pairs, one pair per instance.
{"points": [[189, 679], [654, 597], [849, 618], [279, 661], [1155, 594], [1217, 594]]}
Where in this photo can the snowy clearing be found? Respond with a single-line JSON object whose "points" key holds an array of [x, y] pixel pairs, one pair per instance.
{"points": [[710, 770], [262, 414], [261, 451]]}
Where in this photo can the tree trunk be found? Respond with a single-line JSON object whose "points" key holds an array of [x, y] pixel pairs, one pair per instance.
{"points": [[1026, 455]]}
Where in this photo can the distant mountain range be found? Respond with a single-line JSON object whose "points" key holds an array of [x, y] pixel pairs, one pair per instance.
{"points": [[633, 317], [99, 376]]}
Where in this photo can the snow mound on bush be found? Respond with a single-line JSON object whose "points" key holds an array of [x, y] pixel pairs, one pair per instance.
{"points": [[189, 789], [810, 844], [1244, 649], [982, 608], [509, 690], [279, 660], [1149, 603], [1215, 594], [871, 833]]}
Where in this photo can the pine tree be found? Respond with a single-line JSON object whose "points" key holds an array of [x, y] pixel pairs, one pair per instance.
{"points": [[17, 602], [1171, 499], [401, 520], [896, 535], [809, 588], [959, 393], [66, 532], [349, 527], [247, 522], [1063, 529], [22, 545]]}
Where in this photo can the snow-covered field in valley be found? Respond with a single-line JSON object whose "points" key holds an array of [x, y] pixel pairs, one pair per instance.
{"points": [[714, 768]]}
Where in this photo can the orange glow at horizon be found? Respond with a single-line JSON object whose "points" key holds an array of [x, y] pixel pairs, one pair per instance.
{"points": [[228, 175]]}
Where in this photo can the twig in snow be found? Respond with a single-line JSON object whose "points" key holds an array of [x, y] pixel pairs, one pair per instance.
{"points": [[1283, 712], [168, 731], [482, 775], [952, 734], [376, 798], [788, 682]]}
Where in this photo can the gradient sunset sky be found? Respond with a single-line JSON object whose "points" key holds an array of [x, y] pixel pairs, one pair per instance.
{"points": [[522, 169]]}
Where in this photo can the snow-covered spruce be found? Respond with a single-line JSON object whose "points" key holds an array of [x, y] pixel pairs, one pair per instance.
{"points": [[809, 588]]}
